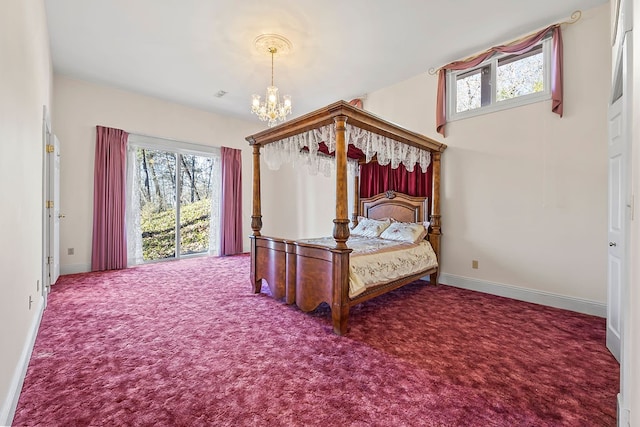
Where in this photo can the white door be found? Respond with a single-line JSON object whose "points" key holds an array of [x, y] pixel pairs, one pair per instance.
{"points": [[616, 226], [619, 203], [51, 223], [54, 213], [46, 223]]}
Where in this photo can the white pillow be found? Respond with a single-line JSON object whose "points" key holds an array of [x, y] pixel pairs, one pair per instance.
{"points": [[410, 232], [370, 227]]}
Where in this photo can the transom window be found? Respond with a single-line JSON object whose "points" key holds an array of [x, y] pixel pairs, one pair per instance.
{"points": [[503, 81]]}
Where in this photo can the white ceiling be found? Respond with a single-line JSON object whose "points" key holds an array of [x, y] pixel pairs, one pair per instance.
{"points": [[187, 50]]}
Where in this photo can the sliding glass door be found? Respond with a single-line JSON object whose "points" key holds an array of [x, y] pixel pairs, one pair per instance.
{"points": [[195, 203], [157, 203], [174, 203]]}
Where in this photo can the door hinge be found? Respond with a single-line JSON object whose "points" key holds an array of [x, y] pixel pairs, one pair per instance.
{"points": [[50, 148], [49, 260], [49, 204]]}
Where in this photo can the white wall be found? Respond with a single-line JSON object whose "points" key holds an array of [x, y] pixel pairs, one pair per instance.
{"points": [[524, 191], [296, 204], [79, 106], [25, 86]]}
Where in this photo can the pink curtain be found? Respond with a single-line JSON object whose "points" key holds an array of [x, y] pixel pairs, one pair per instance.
{"points": [[375, 179], [515, 48], [109, 247], [231, 211]]}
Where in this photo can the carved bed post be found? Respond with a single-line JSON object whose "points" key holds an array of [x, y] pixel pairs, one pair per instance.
{"points": [[341, 223], [434, 237], [256, 218], [340, 263]]}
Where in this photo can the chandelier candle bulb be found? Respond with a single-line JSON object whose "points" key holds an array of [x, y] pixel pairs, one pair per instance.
{"points": [[273, 94]]}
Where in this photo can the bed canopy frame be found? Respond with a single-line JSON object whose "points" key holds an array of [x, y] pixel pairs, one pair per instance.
{"points": [[306, 274]]}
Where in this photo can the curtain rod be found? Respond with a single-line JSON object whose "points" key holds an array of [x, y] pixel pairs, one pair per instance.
{"points": [[575, 17]]}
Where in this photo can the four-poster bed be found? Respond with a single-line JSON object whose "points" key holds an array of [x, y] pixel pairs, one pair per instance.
{"points": [[309, 273]]}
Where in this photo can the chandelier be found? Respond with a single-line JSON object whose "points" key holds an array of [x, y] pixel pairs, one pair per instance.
{"points": [[272, 110]]}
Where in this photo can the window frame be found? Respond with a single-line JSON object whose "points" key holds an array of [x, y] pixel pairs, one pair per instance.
{"points": [[495, 105], [177, 148]]}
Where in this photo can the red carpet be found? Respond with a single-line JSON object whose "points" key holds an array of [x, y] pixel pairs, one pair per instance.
{"points": [[185, 343]]}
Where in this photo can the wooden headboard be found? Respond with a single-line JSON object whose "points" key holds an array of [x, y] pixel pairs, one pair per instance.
{"points": [[398, 206]]}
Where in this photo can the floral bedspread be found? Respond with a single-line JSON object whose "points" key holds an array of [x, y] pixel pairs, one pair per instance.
{"points": [[375, 261]]}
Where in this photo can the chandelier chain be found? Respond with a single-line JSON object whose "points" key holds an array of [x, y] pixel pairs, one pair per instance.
{"points": [[273, 50]]}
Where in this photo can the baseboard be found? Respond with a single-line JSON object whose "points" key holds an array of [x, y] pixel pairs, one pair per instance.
{"points": [[74, 269], [8, 409], [523, 294]]}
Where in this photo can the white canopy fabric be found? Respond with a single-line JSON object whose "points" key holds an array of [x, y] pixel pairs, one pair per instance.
{"points": [[371, 144]]}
